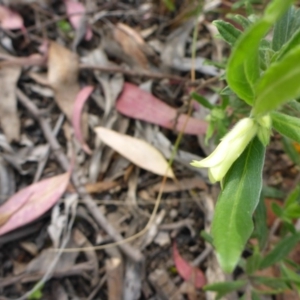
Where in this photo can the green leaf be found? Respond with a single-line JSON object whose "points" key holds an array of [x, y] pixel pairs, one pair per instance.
{"points": [[286, 125], [272, 192], [243, 21], [281, 250], [201, 100], [228, 32], [293, 197], [282, 30], [232, 224], [290, 274], [243, 65], [260, 222], [253, 262], [279, 84], [223, 288], [290, 45], [290, 150], [169, 4], [278, 211], [255, 296], [277, 284]]}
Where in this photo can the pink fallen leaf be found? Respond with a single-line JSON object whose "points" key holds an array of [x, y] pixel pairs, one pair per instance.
{"points": [[81, 98], [76, 11], [138, 104], [31, 202], [187, 271], [10, 20], [136, 150]]}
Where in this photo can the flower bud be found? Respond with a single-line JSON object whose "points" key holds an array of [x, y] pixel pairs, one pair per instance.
{"points": [[230, 148], [264, 129]]}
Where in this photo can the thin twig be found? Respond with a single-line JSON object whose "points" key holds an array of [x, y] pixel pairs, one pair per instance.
{"points": [[127, 249]]}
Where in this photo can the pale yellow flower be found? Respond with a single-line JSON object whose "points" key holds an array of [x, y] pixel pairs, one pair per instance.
{"points": [[230, 148]]}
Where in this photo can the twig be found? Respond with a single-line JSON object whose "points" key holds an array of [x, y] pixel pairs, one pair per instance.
{"points": [[202, 83], [127, 249]]}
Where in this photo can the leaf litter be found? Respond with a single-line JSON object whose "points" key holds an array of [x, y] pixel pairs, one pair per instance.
{"points": [[104, 86]]}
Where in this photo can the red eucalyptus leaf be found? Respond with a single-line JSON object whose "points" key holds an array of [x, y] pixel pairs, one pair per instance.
{"points": [[138, 104], [31, 202], [187, 271]]}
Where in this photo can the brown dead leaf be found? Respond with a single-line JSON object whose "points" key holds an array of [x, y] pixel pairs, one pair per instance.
{"points": [[9, 119], [63, 66], [99, 187], [131, 44]]}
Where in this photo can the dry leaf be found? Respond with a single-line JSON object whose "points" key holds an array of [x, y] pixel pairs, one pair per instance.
{"points": [[187, 271], [137, 151], [30, 203], [81, 98], [9, 19], [63, 66], [131, 43], [76, 13], [9, 118], [138, 104]]}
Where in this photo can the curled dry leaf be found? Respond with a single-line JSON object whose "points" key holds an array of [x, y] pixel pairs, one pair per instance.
{"points": [[63, 66], [137, 151], [9, 19], [81, 98], [126, 44], [9, 118], [187, 271], [76, 12], [30, 203], [138, 104]]}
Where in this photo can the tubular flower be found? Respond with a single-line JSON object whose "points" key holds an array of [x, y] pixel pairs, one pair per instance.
{"points": [[230, 148]]}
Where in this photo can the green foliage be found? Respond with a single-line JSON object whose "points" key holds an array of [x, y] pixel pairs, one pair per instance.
{"points": [[279, 83], [223, 288], [228, 32], [281, 250], [232, 224], [243, 65], [263, 71], [286, 125]]}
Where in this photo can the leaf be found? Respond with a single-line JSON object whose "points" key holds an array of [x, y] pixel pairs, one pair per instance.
{"points": [[281, 250], [286, 125], [276, 284], [132, 44], [232, 223], [223, 288], [76, 13], [260, 222], [9, 118], [279, 83], [243, 65], [187, 271], [290, 45], [30, 203], [253, 262], [135, 150], [201, 100], [81, 98], [9, 19], [228, 32], [63, 68], [282, 30], [138, 104], [290, 150]]}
